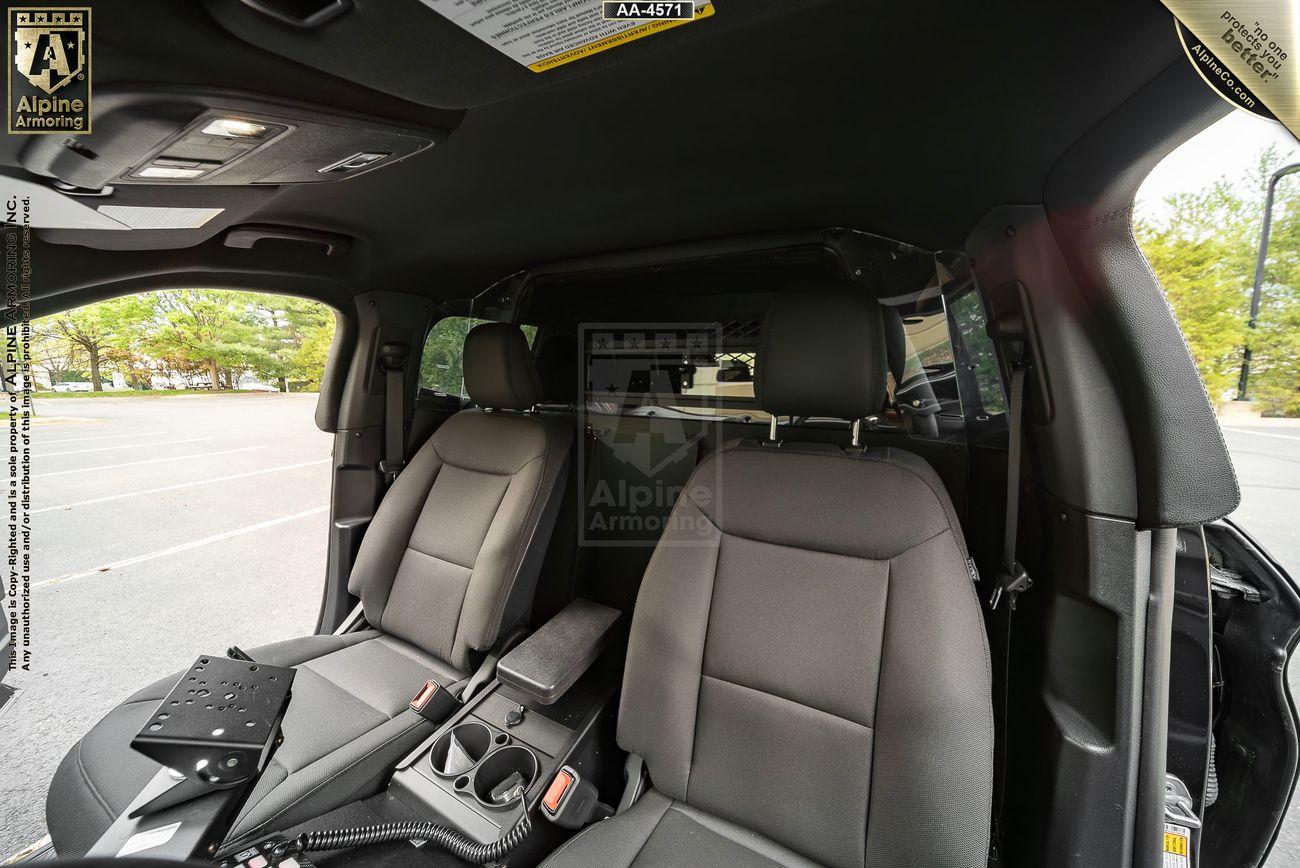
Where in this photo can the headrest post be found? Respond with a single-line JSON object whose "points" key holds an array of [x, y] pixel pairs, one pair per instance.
{"points": [[857, 432], [771, 429]]}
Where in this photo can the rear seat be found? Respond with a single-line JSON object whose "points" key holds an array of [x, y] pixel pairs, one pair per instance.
{"points": [[448, 564]]}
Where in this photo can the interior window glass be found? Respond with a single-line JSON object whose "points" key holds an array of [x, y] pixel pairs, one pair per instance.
{"points": [[442, 362], [981, 357]]}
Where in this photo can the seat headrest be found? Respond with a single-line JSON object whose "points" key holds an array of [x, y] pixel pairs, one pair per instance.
{"points": [[499, 371], [822, 352], [558, 359]]}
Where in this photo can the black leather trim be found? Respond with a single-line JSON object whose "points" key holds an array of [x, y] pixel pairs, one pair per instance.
{"points": [[499, 369], [822, 352]]}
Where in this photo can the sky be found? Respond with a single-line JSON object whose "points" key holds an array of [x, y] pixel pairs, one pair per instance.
{"points": [[1228, 147]]}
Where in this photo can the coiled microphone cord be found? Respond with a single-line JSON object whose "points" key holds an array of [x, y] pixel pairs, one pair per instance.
{"points": [[451, 840]]}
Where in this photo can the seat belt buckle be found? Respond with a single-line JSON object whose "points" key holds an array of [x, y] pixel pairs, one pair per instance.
{"points": [[570, 801], [389, 470], [434, 702], [1012, 582]]}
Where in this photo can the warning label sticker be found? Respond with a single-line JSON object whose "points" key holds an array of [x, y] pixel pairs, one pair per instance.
{"points": [[544, 34], [1178, 846]]}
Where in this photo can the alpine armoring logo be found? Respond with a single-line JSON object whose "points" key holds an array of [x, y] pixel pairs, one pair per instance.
{"points": [[49, 76]]}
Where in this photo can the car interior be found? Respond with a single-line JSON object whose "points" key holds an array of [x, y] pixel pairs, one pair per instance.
{"points": [[830, 483]]}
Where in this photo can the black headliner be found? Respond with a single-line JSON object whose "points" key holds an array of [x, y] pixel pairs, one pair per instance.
{"points": [[906, 121]]}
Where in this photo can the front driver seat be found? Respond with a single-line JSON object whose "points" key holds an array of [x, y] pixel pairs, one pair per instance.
{"points": [[808, 676], [449, 561]]}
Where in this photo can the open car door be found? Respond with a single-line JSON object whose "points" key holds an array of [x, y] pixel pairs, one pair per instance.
{"points": [[1233, 748]]}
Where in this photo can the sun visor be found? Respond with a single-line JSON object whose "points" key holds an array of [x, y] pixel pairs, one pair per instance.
{"points": [[130, 217], [40, 206], [219, 139]]}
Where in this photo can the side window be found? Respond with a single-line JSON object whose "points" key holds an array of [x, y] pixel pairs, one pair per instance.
{"points": [[441, 362]]}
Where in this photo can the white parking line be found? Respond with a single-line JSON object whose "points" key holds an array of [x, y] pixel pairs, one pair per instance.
{"points": [[101, 437], [124, 446], [1262, 433], [178, 485], [183, 547], [146, 461]]}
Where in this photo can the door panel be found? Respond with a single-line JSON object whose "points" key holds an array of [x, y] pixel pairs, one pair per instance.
{"points": [[1256, 625]]}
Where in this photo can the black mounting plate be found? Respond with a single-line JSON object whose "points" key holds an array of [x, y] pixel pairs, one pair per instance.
{"points": [[219, 722]]}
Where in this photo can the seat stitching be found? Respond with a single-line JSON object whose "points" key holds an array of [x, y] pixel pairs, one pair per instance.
{"points": [[769, 542], [420, 551], [726, 834], [496, 511], [409, 655], [85, 775], [332, 777], [875, 715], [713, 588], [569, 843], [94, 791], [262, 798], [350, 694], [423, 501], [521, 545], [885, 460], [785, 699]]}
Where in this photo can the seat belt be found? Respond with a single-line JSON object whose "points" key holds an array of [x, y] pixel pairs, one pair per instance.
{"points": [[392, 361], [1012, 580]]}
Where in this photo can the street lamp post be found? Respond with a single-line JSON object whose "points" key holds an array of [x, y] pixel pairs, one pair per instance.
{"points": [[1243, 382]]}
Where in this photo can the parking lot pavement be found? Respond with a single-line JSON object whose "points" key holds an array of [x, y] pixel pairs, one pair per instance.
{"points": [[209, 513]]}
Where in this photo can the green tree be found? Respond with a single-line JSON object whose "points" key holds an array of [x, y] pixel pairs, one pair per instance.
{"points": [[207, 329], [1203, 252], [92, 329]]}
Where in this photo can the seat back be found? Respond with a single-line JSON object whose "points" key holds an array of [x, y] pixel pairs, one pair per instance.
{"points": [[808, 657], [453, 551]]}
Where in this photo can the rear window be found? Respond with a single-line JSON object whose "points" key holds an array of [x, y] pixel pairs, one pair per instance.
{"points": [[708, 368], [685, 340]]}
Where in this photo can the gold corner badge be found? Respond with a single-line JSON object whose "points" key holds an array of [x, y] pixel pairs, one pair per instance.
{"points": [[49, 70], [1246, 51]]}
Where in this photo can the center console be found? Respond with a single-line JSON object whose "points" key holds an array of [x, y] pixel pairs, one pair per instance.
{"points": [[551, 708]]}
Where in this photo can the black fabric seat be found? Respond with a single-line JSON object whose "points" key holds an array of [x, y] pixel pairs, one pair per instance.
{"points": [[808, 676], [450, 560]]}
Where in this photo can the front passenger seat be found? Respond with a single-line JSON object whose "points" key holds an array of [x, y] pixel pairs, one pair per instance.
{"points": [[448, 563], [807, 676]]}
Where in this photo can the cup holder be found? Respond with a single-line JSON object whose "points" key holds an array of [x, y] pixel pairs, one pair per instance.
{"points": [[472, 742], [498, 768]]}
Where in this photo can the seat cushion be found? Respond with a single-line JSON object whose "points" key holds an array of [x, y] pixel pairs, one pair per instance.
{"points": [[658, 831], [347, 724]]}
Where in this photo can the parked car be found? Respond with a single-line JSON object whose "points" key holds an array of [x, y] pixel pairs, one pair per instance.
{"points": [[71, 387]]}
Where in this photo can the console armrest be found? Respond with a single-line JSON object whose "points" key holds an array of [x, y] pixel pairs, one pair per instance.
{"points": [[547, 663]]}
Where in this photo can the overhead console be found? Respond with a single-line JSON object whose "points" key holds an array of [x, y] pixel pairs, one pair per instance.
{"points": [[201, 138]]}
